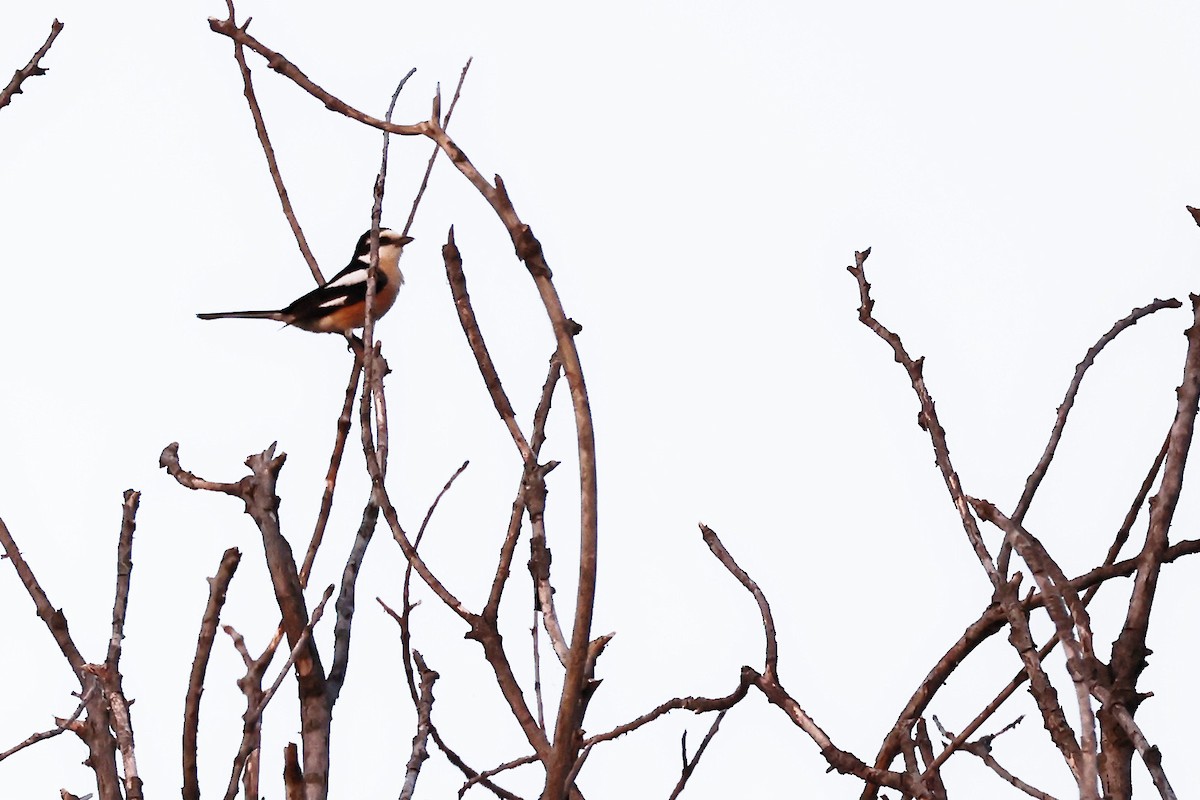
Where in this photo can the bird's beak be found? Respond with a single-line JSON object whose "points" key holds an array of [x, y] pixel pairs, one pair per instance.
{"points": [[405, 240]]}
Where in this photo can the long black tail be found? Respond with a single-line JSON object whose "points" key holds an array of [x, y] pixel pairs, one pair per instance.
{"points": [[275, 315]]}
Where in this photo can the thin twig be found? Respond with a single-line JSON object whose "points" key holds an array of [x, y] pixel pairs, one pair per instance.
{"points": [[470, 325], [771, 658], [406, 606], [217, 587], [32, 69], [1039, 472], [60, 725], [537, 672], [491, 611], [295, 653], [283, 66], [412, 214], [253, 715], [928, 418], [768, 683], [245, 762], [420, 751], [260, 127], [335, 462], [690, 766]]}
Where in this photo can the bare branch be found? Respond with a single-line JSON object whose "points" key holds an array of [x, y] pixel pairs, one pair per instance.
{"points": [[470, 326], [296, 654], [345, 603], [1039, 472], [169, 460], [289, 70], [245, 762], [1151, 756], [412, 214], [1073, 626], [508, 549], [60, 725], [335, 461], [121, 725], [217, 587], [404, 618], [927, 419], [32, 69], [258, 492], [419, 750], [260, 127], [768, 683], [124, 573], [932, 777], [771, 659], [259, 700], [293, 776], [982, 748], [690, 766], [55, 621]]}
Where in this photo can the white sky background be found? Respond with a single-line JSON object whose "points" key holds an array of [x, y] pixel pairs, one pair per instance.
{"points": [[699, 178]]}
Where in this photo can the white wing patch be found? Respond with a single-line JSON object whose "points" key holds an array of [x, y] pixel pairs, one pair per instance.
{"points": [[354, 278], [334, 302]]}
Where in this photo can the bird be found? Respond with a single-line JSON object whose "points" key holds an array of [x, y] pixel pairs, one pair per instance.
{"points": [[339, 304]]}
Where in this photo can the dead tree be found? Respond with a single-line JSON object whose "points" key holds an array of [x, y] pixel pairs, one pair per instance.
{"points": [[1095, 733]]}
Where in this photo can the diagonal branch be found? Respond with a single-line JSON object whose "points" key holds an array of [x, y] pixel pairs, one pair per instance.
{"points": [[32, 69], [1039, 472], [470, 326], [260, 127], [927, 418], [277, 62]]}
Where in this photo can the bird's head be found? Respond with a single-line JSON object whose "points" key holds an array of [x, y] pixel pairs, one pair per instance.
{"points": [[388, 239]]}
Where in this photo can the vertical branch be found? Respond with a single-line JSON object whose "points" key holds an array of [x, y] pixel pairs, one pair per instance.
{"points": [[110, 673], [345, 603], [124, 573], [1129, 650], [372, 375], [420, 751], [245, 764], [217, 587]]}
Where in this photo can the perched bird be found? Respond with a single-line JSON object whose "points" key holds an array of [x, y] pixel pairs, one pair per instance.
{"points": [[339, 305]]}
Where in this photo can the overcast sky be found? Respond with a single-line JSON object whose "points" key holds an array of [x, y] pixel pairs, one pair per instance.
{"points": [[700, 175]]}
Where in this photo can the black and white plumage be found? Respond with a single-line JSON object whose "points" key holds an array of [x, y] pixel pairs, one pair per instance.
{"points": [[339, 305]]}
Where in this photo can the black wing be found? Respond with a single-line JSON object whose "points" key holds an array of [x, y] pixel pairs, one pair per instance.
{"points": [[346, 288]]}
